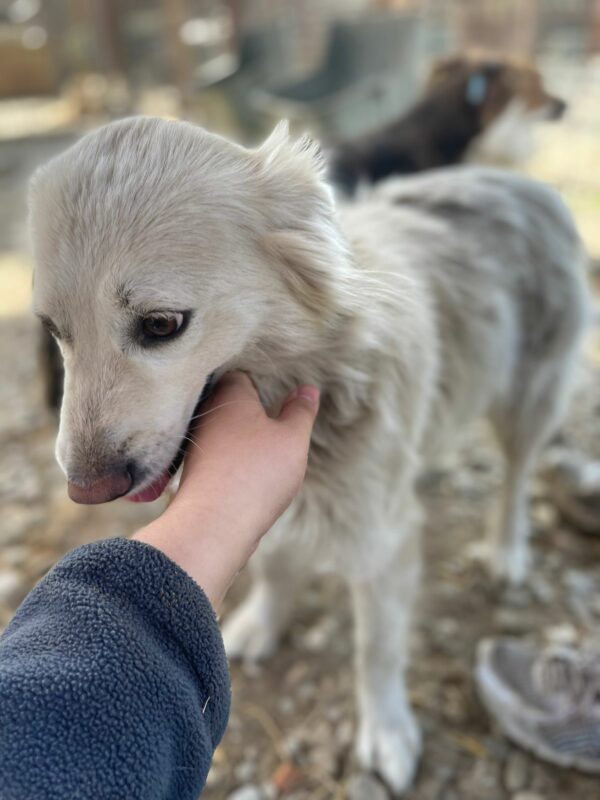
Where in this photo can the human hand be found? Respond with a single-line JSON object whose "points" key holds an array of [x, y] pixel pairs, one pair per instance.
{"points": [[240, 474]]}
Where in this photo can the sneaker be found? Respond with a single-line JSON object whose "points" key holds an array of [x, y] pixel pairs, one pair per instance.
{"points": [[547, 701]]}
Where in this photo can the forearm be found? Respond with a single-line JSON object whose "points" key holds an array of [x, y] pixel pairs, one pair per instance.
{"points": [[208, 543], [113, 680]]}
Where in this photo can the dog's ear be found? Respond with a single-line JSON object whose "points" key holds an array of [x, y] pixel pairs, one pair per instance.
{"points": [[291, 173], [300, 157], [302, 238]]}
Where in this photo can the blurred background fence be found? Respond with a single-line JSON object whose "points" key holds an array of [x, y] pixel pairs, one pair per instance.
{"points": [[337, 68], [342, 65]]}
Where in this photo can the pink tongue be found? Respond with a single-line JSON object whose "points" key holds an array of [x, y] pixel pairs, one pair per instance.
{"points": [[153, 492]]}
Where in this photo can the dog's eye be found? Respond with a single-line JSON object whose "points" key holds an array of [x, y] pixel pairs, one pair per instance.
{"points": [[162, 324]]}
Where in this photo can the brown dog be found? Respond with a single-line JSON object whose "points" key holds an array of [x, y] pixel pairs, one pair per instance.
{"points": [[473, 106]]}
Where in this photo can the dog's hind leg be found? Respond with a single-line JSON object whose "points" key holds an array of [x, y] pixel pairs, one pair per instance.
{"points": [[523, 427], [389, 740], [252, 631]]}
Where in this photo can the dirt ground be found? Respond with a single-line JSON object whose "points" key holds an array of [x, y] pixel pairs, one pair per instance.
{"points": [[292, 721]]}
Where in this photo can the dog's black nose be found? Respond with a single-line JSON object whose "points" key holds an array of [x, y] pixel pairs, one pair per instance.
{"points": [[114, 483]]}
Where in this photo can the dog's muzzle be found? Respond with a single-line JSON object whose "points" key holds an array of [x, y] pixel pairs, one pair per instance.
{"points": [[119, 479]]}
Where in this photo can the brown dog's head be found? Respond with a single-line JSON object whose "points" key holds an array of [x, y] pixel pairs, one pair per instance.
{"points": [[504, 98], [494, 84]]}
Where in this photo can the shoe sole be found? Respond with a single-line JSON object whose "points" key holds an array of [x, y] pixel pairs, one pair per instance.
{"points": [[496, 698]]}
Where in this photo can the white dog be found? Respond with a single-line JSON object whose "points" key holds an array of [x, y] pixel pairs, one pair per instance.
{"points": [[166, 254]]}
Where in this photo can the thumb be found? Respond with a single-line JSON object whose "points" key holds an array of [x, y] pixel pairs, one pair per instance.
{"points": [[300, 408]]}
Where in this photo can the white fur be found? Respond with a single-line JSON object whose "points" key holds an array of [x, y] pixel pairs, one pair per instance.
{"points": [[436, 301], [509, 140]]}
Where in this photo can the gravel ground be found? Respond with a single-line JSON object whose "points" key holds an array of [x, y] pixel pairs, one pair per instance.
{"points": [[292, 723]]}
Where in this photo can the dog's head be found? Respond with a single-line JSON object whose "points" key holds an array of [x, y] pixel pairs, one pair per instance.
{"points": [[493, 85], [506, 98], [165, 254]]}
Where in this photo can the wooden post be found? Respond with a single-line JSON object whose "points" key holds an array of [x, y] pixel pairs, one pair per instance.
{"points": [[175, 14]]}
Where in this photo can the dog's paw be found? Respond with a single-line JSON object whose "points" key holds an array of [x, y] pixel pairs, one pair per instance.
{"points": [[249, 633], [392, 752]]}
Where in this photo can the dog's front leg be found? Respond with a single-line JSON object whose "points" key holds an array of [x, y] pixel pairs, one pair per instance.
{"points": [[252, 631], [389, 740]]}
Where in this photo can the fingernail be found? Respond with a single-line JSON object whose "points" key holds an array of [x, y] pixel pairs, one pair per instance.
{"points": [[310, 393]]}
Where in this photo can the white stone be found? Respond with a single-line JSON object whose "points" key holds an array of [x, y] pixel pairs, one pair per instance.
{"points": [[317, 638], [516, 771], [527, 796], [365, 787], [245, 771], [16, 521], [247, 793], [12, 588]]}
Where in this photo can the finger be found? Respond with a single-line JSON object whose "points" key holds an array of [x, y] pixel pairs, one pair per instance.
{"points": [[300, 409]]}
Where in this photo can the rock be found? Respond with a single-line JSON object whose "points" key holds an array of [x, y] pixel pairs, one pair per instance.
{"points": [[321, 733], [323, 760], [541, 588], [294, 745], [297, 673], [286, 777], [565, 635], [448, 794], [215, 775], [453, 704], [431, 786], [17, 519], [516, 772], [251, 752], [286, 706], [515, 620], [306, 691], [334, 713], [527, 796], [39, 562], [245, 771], [446, 628], [12, 588], [581, 584], [317, 638], [365, 787], [482, 781], [516, 597], [269, 791], [251, 669], [247, 793], [19, 480], [14, 555], [544, 516]]}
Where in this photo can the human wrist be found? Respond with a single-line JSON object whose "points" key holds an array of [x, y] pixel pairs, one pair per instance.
{"points": [[198, 545]]}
